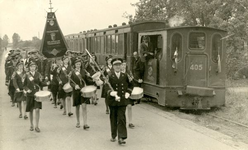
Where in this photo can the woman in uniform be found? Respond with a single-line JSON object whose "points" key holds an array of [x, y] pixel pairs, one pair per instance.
{"points": [[18, 82], [107, 70], [32, 85], [78, 81], [64, 76]]}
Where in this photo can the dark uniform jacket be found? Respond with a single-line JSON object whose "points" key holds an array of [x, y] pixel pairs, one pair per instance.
{"points": [[138, 69], [18, 80], [121, 85], [79, 78], [64, 72], [33, 83]]}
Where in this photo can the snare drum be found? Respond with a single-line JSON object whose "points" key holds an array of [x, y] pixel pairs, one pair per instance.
{"points": [[88, 91], [42, 96], [67, 88], [137, 93]]}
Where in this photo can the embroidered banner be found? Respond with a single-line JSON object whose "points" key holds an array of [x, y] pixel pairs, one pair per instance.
{"points": [[53, 42]]}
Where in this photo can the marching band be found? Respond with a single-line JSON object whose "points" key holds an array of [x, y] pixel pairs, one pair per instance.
{"points": [[73, 81]]}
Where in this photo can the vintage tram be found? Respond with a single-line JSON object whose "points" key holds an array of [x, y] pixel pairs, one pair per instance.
{"points": [[188, 66]]}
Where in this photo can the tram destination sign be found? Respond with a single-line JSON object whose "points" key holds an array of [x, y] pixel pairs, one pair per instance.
{"points": [[53, 43]]}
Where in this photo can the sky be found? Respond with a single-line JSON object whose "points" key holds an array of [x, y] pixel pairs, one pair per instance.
{"points": [[28, 17]]}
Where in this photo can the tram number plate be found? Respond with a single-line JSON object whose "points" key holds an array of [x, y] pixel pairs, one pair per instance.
{"points": [[196, 67]]}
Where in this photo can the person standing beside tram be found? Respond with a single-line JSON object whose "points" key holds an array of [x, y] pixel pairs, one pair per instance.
{"points": [[118, 100], [138, 70], [107, 70], [78, 81]]}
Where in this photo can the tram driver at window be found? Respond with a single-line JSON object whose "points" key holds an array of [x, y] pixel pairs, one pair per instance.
{"points": [[146, 49]]}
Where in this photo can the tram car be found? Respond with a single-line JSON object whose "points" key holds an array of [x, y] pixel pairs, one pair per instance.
{"points": [[187, 69]]}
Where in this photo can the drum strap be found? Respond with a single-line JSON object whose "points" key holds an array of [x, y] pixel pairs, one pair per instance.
{"points": [[80, 79]]}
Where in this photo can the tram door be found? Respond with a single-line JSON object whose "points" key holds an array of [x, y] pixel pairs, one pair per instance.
{"points": [[196, 68], [150, 48]]}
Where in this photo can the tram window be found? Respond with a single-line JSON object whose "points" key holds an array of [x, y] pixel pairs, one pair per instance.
{"points": [[113, 44], [83, 42], [116, 44], [196, 41], [121, 44], [98, 45], [102, 44], [216, 47], [176, 44], [80, 45], [108, 46]]}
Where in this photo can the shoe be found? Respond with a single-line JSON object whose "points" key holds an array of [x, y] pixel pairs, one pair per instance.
{"points": [[64, 113], [61, 107], [25, 117], [37, 129], [107, 111], [112, 139], [13, 105], [131, 125], [95, 103], [20, 116], [55, 106], [58, 103], [70, 114], [31, 128], [78, 125], [121, 141], [86, 127]]}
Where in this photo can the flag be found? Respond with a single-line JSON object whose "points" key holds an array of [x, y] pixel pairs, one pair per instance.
{"points": [[53, 42]]}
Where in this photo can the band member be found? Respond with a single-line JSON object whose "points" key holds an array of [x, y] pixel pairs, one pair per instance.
{"points": [[138, 70], [118, 101], [64, 76], [91, 68], [11, 68], [130, 101], [107, 70], [18, 82], [32, 85], [53, 76], [78, 81]]}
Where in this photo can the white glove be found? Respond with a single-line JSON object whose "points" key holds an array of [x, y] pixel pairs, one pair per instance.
{"points": [[48, 82], [113, 93], [140, 80], [29, 91], [17, 90], [77, 87], [127, 95]]}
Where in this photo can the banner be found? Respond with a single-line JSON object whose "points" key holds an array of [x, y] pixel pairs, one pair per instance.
{"points": [[53, 43]]}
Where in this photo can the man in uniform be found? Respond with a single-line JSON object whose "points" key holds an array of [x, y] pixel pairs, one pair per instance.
{"points": [[138, 71], [118, 100]]}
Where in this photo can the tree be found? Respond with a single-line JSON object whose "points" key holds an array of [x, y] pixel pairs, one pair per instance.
{"points": [[16, 39], [5, 41]]}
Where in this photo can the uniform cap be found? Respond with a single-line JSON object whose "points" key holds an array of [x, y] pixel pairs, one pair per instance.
{"points": [[108, 57], [77, 60], [32, 63], [116, 61]]}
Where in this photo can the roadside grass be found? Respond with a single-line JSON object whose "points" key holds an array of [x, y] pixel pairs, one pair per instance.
{"points": [[236, 107]]}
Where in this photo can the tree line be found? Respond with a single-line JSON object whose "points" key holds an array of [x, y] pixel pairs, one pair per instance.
{"points": [[230, 15], [18, 43]]}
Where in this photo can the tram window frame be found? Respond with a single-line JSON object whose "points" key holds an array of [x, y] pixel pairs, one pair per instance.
{"points": [[121, 39], [215, 58], [84, 46], [116, 44], [102, 38], [173, 48], [113, 51], [108, 42], [196, 41]]}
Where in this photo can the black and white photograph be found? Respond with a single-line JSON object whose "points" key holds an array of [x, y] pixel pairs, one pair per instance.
{"points": [[124, 74]]}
